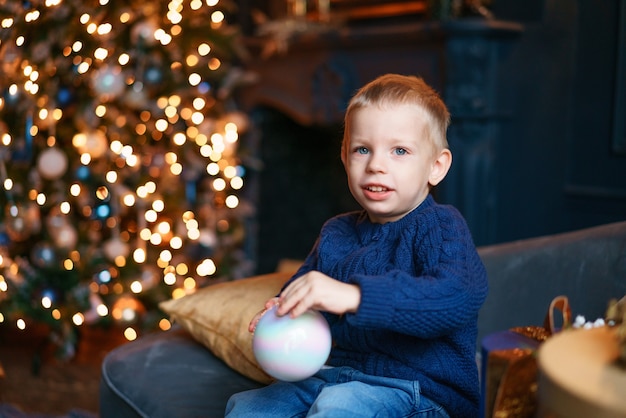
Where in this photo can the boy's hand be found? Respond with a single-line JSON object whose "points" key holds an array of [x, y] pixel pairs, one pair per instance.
{"points": [[318, 291], [255, 320]]}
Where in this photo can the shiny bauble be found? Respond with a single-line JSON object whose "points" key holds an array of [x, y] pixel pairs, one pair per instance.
{"points": [[44, 255], [16, 222], [109, 82], [115, 247], [52, 163], [291, 349], [142, 32], [66, 237]]}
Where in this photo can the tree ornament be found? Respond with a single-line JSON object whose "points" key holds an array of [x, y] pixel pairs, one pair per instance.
{"points": [[136, 97], [108, 82], [44, 255], [115, 247], [16, 221], [142, 33], [153, 75], [66, 237], [52, 163]]}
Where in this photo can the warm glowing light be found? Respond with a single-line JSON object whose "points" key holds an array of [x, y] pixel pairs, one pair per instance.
{"points": [[75, 189], [206, 268], [158, 205], [139, 255], [164, 228], [182, 269], [236, 183], [189, 283], [219, 184], [78, 319], [166, 256], [213, 169], [128, 199], [232, 201], [102, 309], [169, 279], [21, 324], [150, 215], [164, 324], [204, 49], [217, 17], [176, 169], [179, 138], [194, 79], [136, 287], [156, 239], [130, 334], [176, 243], [65, 207]]}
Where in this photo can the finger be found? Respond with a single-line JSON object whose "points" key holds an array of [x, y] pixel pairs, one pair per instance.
{"points": [[252, 325]]}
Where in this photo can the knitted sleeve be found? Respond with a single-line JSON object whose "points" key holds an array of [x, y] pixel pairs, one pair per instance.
{"points": [[443, 292]]}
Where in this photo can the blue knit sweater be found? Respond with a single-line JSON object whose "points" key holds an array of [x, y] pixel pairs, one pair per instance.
{"points": [[422, 284]]}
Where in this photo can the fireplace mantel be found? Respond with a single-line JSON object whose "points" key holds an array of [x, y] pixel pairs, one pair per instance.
{"points": [[311, 75], [314, 72]]}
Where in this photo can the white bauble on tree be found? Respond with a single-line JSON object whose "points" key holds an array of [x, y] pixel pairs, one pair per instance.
{"points": [[142, 32], [52, 163], [66, 237], [108, 82], [115, 247]]}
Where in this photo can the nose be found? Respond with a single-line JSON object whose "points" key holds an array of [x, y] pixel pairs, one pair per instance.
{"points": [[376, 163]]}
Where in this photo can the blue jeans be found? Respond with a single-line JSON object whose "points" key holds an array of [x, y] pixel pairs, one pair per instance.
{"points": [[336, 392]]}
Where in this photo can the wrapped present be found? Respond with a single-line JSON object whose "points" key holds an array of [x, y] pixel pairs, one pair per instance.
{"points": [[509, 365]]}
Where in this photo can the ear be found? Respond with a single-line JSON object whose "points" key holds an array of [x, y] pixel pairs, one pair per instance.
{"points": [[440, 167]]}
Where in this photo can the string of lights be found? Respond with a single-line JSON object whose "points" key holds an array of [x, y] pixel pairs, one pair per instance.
{"points": [[119, 159]]}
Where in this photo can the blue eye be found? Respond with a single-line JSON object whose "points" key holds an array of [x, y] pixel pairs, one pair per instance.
{"points": [[362, 150], [400, 151]]}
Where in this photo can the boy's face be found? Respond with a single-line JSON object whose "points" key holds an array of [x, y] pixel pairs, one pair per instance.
{"points": [[389, 160]]}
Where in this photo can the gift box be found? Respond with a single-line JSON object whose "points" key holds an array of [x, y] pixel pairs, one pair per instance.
{"points": [[509, 365]]}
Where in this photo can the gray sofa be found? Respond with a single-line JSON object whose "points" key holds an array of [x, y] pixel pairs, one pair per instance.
{"points": [[169, 374]]}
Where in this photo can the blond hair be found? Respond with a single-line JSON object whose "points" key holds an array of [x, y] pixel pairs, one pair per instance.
{"points": [[401, 89]]}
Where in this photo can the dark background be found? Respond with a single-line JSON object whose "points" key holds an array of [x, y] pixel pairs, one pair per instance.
{"points": [[557, 157]]}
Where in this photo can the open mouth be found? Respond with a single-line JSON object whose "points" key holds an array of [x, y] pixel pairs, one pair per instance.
{"points": [[376, 189]]}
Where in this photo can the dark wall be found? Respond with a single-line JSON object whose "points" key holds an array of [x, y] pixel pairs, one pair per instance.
{"points": [[301, 184], [559, 168]]}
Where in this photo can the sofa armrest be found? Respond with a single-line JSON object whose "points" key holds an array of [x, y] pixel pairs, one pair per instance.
{"points": [[587, 265], [167, 374]]}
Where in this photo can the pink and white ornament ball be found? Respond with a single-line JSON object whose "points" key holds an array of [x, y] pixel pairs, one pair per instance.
{"points": [[291, 349]]}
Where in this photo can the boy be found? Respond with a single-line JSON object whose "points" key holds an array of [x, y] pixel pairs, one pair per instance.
{"points": [[400, 282]]}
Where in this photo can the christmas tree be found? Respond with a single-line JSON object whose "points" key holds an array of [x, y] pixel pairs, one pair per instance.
{"points": [[119, 159]]}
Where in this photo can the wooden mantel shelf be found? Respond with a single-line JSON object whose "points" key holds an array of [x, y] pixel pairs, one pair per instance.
{"points": [[312, 73]]}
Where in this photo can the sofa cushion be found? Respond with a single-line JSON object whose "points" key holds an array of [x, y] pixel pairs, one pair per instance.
{"points": [[167, 374], [218, 316]]}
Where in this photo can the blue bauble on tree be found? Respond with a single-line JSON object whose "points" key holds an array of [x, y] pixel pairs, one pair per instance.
{"points": [[64, 96]]}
